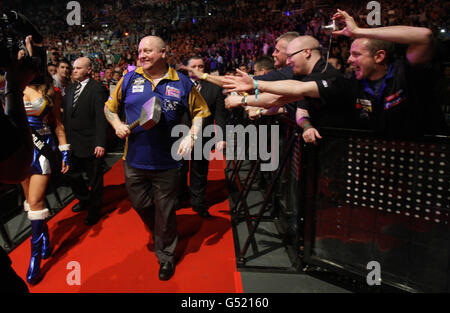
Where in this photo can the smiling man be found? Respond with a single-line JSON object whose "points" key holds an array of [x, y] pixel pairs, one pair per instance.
{"points": [[151, 173]]}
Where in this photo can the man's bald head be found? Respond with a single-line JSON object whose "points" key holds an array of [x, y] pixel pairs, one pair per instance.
{"points": [[303, 53], [84, 61], [306, 42], [155, 40], [152, 55], [82, 69]]}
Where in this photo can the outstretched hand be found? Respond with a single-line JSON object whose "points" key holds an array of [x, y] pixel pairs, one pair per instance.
{"points": [[240, 83], [233, 102], [195, 71]]}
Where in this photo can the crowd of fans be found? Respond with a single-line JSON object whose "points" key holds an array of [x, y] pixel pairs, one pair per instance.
{"points": [[226, 33]]}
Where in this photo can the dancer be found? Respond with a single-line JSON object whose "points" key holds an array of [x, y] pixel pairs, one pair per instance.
{"points": [[42, 105]]}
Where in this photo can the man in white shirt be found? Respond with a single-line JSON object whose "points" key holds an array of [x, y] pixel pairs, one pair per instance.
{"points": [[62, 76]]}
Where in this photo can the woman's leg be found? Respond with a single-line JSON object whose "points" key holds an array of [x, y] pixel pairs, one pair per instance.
{"points": [[25, 186], [36, 191], [39, 231]]}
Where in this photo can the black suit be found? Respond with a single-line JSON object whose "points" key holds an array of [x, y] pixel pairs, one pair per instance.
{"points": [[215, 99], [86, 128]]}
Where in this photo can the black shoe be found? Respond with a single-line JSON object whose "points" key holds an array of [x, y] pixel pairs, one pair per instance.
{"points": [[78, 208], [166, 271]]}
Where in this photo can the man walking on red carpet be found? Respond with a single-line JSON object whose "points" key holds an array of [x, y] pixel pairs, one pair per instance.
{"points": [[150, 170]]}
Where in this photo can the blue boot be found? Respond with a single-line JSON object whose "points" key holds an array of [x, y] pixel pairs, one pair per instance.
{"points": [[37, 219], [46, 247]]}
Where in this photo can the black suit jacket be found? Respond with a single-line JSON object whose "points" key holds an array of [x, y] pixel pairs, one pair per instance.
{"points": [[85, 124], [215, 99]]}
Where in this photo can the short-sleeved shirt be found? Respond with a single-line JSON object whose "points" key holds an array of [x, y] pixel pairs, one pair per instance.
{"points": [[151, 149], [332, 109], [401, 104]]}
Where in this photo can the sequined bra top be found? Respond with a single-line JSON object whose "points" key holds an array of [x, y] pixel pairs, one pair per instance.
{"points": [[36, 110]]}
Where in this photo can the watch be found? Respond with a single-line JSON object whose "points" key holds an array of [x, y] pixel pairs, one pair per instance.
{"points": [[193, 137], [244, 100]]}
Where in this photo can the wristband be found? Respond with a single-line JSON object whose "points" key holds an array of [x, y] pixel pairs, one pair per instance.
{"points": [[66, 156], [204, 76], [256, 90], [304, 123], [65, 147]]}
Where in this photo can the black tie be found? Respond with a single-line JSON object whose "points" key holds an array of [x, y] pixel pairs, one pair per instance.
{"points": [[76, 95]]}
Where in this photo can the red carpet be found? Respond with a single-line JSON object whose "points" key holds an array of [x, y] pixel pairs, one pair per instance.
{"points": [[115, 256]]}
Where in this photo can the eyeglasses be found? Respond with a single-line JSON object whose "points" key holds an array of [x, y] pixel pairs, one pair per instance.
{"points": [[294, 53]]}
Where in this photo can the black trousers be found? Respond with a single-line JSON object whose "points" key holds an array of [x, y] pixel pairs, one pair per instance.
{"points": [[90, 192], [198, 177], [153, 194]]}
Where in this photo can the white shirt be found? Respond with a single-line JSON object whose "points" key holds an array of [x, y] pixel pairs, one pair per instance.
{"points": [[58, 84], [83, 84]]}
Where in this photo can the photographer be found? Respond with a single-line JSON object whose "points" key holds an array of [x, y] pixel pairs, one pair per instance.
{"points": [[16, 157], [15, 132]]}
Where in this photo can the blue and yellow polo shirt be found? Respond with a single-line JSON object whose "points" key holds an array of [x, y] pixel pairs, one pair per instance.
{"points": [[151, 149]]}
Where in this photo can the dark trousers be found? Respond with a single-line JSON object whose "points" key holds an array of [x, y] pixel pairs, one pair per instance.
{"points": [[198, 177], [90, 192], [153, 194]]}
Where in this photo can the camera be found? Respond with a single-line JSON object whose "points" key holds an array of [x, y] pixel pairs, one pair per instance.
{"points": [[330, 28], [14, 27]]}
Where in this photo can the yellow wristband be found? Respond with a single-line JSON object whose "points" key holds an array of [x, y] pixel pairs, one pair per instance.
{"points": [[204, 76]]}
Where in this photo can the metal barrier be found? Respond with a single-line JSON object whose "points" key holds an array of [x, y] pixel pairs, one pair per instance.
{"points": [[370, 199], [352, 201], [268, 209]]}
